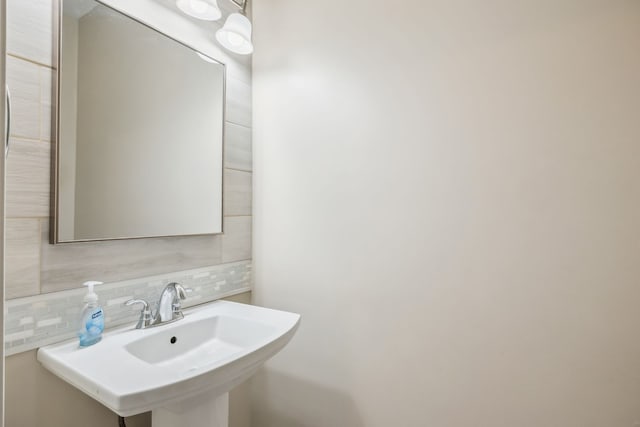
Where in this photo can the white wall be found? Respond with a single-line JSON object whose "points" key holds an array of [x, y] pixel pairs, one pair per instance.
{"points": [[449, 193]]}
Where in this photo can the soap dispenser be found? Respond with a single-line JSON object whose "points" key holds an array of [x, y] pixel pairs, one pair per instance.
{"points": [[92, 318]]}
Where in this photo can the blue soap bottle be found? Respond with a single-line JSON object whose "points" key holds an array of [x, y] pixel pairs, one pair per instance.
{"points": [[92, 318]]}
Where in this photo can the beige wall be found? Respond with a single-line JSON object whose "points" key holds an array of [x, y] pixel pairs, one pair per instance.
{"points": [[449, 193], [37, 398]]}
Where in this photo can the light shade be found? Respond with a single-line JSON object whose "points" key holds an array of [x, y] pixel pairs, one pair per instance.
{"points": [[235, 35], [200, 9]]}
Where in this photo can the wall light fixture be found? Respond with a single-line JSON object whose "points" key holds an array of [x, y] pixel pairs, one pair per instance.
{"points": [[200, 9], [235, 34]]}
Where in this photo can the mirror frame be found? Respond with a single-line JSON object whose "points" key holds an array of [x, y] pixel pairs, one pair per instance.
{"points": [[54, 237]]}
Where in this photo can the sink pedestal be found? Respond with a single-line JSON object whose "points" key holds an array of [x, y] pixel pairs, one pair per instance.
{"points": [[206, 410]]}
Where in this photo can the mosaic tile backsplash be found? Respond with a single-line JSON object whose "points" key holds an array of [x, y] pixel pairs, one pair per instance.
{"points": [[44, 319]]}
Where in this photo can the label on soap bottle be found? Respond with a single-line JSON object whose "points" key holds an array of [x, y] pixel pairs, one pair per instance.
{"points": [[93, 327]]}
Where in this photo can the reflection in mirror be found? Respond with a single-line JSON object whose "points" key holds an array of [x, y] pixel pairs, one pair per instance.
{"points": [[140, 131]]}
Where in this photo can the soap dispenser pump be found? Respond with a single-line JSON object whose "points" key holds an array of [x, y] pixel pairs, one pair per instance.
{"points": [[92, 317]]}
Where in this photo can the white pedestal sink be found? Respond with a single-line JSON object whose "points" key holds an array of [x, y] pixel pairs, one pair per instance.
{"points": [[181, 371]]}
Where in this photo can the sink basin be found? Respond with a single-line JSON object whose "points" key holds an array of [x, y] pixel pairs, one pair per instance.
{"points": [[168, 369], [191, 346]]}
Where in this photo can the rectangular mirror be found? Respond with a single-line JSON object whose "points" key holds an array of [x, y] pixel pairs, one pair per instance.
{"points": [[140, 131]]}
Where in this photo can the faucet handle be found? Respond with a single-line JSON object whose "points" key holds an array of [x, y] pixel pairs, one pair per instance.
{"points": [[145, 305], [145, 314]]}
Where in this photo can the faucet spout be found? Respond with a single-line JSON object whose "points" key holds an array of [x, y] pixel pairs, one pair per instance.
{"points": [[169, 306]]}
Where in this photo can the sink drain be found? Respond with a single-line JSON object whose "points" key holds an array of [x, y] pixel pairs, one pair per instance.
{"points": [[173, 340]]}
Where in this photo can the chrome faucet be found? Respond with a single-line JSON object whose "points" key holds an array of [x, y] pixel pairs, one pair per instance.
{"points": [[169, 307]]}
